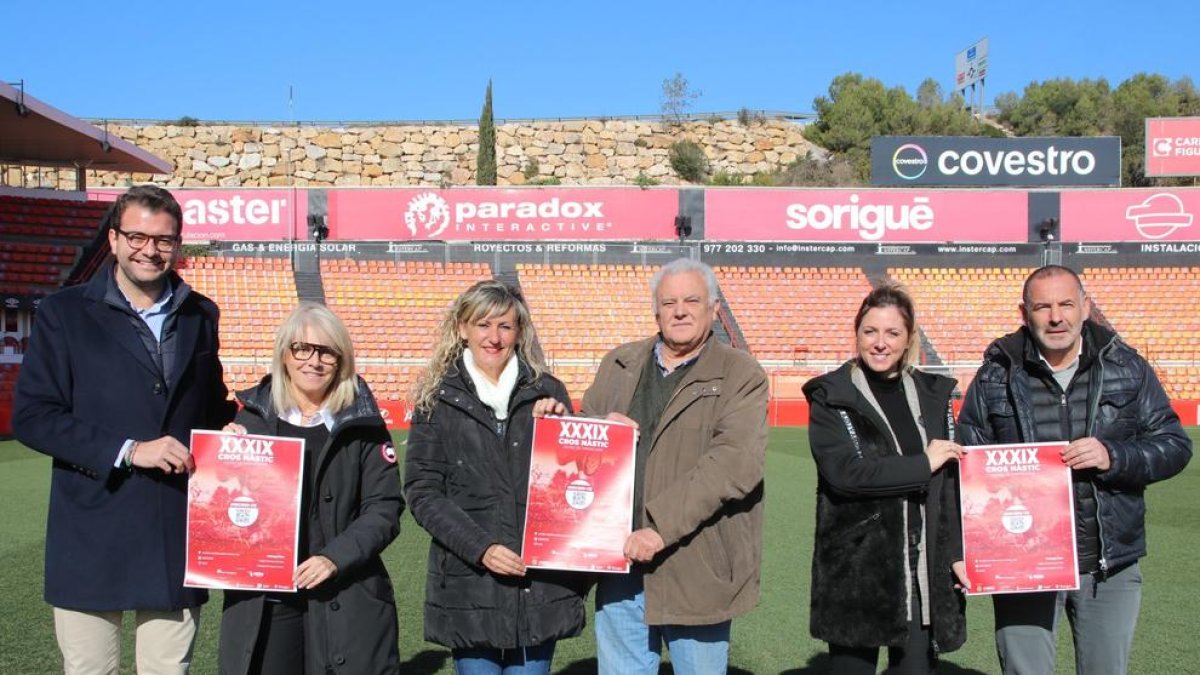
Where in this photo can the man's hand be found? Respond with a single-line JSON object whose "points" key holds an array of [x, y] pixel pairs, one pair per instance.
{"points": [[643, 545], [1087, 453], [166, 454], [314, 571], [621, 419], [502, 561]]}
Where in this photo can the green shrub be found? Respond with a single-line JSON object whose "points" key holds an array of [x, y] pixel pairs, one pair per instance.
{"points": [[726, 178], [644, 181], [688, 160], [532, 167]]}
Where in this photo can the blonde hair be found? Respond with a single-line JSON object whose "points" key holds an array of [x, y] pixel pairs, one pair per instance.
{"points": [[484, 300], [310, 315]]}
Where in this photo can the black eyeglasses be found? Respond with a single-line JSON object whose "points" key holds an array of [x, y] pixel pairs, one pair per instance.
{"points": [[164, 243], [303, 351]]}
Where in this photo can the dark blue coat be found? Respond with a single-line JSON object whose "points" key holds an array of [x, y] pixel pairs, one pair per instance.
{"points": [[115, 537], [1128, 412]]}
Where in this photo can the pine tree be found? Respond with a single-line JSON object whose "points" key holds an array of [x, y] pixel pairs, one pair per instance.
{"points": [[485, 164]]}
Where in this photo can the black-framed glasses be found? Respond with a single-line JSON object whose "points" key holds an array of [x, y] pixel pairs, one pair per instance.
{"points": [[164, 243], [303, 351]]}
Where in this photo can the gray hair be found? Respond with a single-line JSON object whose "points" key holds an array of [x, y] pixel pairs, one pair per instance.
{"points": [[684, 266]]}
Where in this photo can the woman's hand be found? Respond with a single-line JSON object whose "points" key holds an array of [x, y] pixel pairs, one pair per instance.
{"points": [[548, 406], [314, 571], [234, 428], [939, 452], [960, 573], [500, 560]]}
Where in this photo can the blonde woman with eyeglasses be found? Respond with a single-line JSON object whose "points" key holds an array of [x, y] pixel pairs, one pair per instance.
{"points": [[343, 616]]}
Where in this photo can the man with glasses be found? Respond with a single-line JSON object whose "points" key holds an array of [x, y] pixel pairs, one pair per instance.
{"points": [[118, 372]]}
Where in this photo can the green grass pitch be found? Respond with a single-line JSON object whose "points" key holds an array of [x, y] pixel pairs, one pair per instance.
{"points": [[772, 639]]}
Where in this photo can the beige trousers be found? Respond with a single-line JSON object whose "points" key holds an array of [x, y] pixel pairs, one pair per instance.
{"points": [[91, 641]]}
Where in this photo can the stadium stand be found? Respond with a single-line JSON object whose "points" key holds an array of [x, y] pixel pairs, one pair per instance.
{"points": [[961, 310], [617, 298], [1132, 301], [254, 295], [49, 219], [393, 308], [785, 312], [33, 268]]}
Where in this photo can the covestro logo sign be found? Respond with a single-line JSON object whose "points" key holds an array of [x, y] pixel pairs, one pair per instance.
{"points": [[945, 160], [910, 161]]}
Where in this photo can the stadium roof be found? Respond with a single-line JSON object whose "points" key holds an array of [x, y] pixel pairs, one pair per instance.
{"points": [[36, 133]]}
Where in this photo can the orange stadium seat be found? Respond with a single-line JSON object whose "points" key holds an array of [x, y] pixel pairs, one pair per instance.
{"points": [[393, 308], [961, 310], [254, 294], [1133, 301], [795, 313]]}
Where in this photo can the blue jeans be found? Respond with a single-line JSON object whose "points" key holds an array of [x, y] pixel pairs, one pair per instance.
{"points": [[1103, 615], [519, 661], [626, 645]]}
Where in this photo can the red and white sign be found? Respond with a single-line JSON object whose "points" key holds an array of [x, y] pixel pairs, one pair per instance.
{"points": [[235, 215], [1018, 521], [1173, 146], [855, 216], [466, 214], [244, 511], [1131, 215], [580, 507]]}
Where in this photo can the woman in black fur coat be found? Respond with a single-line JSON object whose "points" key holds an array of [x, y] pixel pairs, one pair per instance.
{"points": [[887, 564]]}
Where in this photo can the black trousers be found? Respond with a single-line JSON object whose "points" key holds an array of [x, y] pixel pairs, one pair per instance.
{"points": [[280, 646], [916, 657]]}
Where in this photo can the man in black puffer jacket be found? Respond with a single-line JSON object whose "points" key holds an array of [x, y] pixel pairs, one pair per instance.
{"points": [[1064, 378]]}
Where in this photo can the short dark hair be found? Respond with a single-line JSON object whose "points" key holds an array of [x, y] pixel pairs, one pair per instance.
{"points": [[1048, 271], [893, 295], [152, 197]]}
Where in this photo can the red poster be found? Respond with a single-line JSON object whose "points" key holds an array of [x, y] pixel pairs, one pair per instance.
{"points": [[580, 507], [244, 511], [1018, 519], [862, 215]]}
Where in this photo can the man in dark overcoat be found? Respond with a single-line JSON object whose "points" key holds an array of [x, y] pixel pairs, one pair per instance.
{"points": [[118, 372]]}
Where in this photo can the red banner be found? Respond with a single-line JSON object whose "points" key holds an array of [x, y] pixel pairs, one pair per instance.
{"points": [[580, 507], [235, 215], [465, 214], [1131, 215], [1018, 519], [1173, 146], [243, 511], [901, 216]]}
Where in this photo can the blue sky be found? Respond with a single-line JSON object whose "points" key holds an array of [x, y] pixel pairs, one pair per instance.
{"points": [[219, 60]]}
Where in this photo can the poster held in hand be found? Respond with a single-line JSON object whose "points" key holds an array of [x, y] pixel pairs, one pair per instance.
{"points": [[580, 507], [1018, 519], [244, 511]]}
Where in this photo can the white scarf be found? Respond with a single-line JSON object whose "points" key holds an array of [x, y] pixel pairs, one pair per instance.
{"points": [[494, 396]]}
